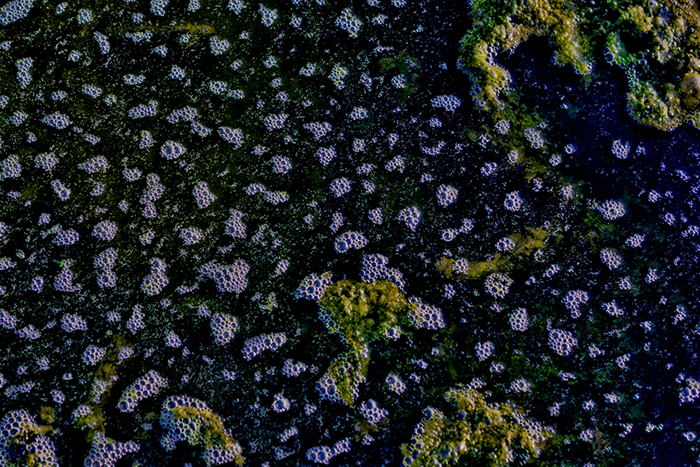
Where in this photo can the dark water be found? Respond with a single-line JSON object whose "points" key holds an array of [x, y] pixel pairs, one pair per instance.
{"points": [[430, 362]]}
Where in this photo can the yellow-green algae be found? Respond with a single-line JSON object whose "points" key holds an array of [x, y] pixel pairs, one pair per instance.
{"points": [[206, 430], [480, 434], [364, 311], [660, 72], [360, 312], [106, 372], [525, 246], [211, 431]]}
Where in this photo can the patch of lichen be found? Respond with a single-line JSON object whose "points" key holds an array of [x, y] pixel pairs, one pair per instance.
{"points": [[663, 92], [46, 415], [475, 269], [647, 106], [479, 269], [93, 422], [445, 266], [480, 434]]}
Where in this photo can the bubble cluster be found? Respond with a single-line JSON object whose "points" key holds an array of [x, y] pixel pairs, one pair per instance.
{"points": [[497, 285], [372, 412], [146, 386], [313, 286], [171, 150], [690, 392], [612, 210], [293, 370], [446, 195], [340, 187], [106, 452], [186, 419], [611, 258], [411, 216], [375, 267], [534, 137], [21, 439], [280, 403], [228, 277], [395, 384], [484, 350], [449, 103], [519, 320], [93, 354], [7, 320], [620, 150], [223, 327], [105, 231], [562, 342], [573, 299], [233, 136], [15, 10], [191, 235], [425, 316], [71, 322], [154, 282], [255, 346], [63, 282], [347, 21], [348, 240], [325, 155], [203, 195], [66, 238], [513, 201]]}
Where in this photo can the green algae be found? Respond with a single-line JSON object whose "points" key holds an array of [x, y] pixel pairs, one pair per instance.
{"points": [[105, 375], [664, 35], [525, 245], [364, 311], [360, 312], [211, 429], [479, 434], [349, 371]]}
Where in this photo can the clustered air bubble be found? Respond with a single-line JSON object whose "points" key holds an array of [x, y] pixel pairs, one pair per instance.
{"points": [[255, 346], [612, 210], [350, 240], [562, 342], [228, 277], [224, 328], [21, 438], [573, 299], [146, 386]]}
